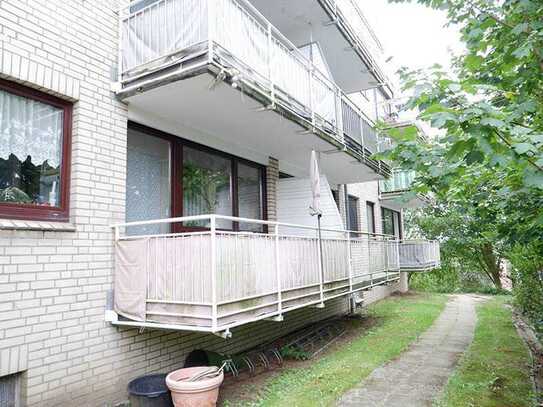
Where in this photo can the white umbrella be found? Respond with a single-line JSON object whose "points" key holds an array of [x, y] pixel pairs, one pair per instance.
{"points": [[315, 209], [315, 185]]}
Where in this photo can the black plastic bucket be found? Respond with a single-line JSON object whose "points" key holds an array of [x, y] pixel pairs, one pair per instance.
{"points": [[149, 391]]}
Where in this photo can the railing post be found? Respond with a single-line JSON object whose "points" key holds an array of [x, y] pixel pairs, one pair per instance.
{"points": [[339, 114], [321, 267], [350, 262], [278, 272], [270, 70], [213, 236], [120, 45], [387, 265], [311, 107], [210, 28]]}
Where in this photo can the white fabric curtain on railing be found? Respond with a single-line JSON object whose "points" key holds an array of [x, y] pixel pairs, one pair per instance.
{"points": [[161, 28]]}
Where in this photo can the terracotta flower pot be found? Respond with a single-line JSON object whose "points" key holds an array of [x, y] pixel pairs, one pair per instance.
{"points": [[201, 393]]}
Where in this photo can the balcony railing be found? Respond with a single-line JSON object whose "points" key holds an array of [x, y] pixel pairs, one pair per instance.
{"points": [[362, 31], [400, 181], [246, 48], [419, 255], [213, 280]]}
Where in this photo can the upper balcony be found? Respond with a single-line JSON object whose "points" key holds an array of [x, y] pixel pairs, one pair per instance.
{"points": [[394, 190], [220, 67], [354, 53], [213, 280]]}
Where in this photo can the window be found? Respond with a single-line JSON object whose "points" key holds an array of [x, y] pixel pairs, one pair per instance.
{"points": [[352, 206], [370, 216], [171, 177], [35, 131], [10, 390], [391, 222]]}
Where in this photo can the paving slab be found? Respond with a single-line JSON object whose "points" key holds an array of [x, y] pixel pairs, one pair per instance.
{"points": [[418, 375]]}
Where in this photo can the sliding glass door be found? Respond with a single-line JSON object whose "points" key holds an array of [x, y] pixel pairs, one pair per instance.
{"points": [[148, 181], [169, 177]]}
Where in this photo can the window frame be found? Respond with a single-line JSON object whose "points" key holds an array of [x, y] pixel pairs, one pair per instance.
{"points": [[177, 145], [356, 201], [21, 211], [371, 205], [394, 214]]}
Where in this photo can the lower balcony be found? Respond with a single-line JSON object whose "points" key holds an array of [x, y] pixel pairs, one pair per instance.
{"points": [[212, 280], [419, 255]]}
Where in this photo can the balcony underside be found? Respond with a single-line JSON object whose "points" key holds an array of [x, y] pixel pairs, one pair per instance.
{"points": [[305, 21], [199, 95], [399, 200]]}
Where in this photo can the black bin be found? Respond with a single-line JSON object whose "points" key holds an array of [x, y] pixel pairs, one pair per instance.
{"points": [[149, 391]]}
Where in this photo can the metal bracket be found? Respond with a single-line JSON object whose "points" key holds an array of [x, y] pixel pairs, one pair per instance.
{"points": [[226, 334], [331, 22], [277, 318], [320, 305], [265, 108], [111, 316]]}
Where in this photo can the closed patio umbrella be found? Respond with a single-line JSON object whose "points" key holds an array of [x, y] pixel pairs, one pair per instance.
{"points": [[315, 209]]}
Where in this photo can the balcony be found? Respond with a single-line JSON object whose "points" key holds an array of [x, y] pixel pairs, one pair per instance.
{"points": [[394, 190], [220, 67], [213, 280], [419, 255], [355, 55]]}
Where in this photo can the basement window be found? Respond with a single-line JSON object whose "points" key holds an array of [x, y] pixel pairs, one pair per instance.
{"points": [[10, 390]]}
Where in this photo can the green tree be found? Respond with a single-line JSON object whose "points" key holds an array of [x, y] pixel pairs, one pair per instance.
{"points": [[486, 163]]}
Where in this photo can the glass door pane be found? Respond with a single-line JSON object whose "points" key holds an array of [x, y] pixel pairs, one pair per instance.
{"points": [[207, 186], [148, 183], [249, 196]]}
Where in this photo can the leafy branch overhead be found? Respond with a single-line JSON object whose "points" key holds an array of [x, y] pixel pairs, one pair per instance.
{"points": [[488, 151]]}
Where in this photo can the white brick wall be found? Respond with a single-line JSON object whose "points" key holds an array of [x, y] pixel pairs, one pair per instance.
{"points": [[54, 278]]}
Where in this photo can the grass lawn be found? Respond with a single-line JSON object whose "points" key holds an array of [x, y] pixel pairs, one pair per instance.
{"points": [[402, 320], [495, 369]]}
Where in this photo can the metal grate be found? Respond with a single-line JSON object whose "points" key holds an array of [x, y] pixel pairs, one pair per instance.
{"points": [[9, 391]]}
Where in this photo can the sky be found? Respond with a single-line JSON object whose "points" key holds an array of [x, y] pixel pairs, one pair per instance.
{"points": [[414, 35]]}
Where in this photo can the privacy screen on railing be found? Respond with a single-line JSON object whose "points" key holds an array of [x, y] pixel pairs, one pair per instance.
{"points": [[164, 31]]}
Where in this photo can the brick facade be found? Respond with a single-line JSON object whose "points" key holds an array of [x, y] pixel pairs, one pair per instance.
{"points": [[55, 277]]}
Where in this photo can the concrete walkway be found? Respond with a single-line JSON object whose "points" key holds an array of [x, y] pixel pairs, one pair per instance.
{"points": [[417, 376]]}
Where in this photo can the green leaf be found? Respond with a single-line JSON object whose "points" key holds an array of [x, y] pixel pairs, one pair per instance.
{"points": [[474, 156], [493, 122], [523, 148]]}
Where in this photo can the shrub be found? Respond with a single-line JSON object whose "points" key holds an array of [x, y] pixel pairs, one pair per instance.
{"points": [[527, 277]]}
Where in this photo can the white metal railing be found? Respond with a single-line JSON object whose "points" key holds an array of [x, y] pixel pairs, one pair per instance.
{"points": [[355, 19], [419, 255], [155, 36], [213, 280]]}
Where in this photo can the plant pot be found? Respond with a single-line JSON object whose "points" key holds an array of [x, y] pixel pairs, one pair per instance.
{"points": [[201, 393]]}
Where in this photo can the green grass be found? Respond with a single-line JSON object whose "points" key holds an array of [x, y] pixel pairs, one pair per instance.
{"points": [[495, 369], [402, 320]]}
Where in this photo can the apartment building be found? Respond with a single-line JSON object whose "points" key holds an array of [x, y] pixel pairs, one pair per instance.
{"points": [[154, 184]]}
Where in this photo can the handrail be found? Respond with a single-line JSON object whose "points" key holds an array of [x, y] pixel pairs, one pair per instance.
{"points": [[244, 220]]}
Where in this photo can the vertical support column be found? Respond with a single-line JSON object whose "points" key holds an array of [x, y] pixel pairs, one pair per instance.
{"points": [[120, 43], [321, 269], [278, 275], [272, 180], [213, 231]]}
